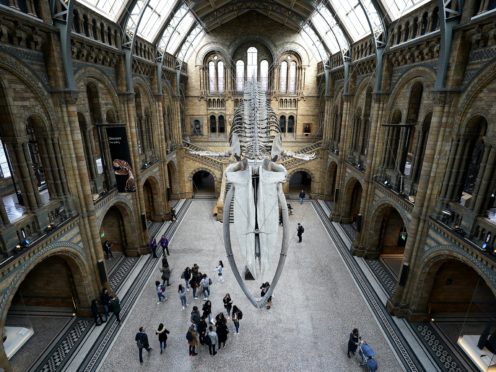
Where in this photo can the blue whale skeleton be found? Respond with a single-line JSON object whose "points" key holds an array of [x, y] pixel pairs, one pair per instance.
{"points": [[256, 188]]}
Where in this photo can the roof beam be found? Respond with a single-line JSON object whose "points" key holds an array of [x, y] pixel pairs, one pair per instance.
{"points": [[167, 21], [314, 29], [340, 23]]}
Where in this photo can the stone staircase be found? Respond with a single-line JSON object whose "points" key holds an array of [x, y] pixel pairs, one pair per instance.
{"points": [[292, 162], [210, 161]]}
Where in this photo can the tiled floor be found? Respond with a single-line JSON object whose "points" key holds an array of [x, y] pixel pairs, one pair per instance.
{"points": [[316, 304]]}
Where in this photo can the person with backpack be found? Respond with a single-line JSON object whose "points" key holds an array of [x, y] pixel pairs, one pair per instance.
{"points": [[205, 283], [212, 340], [142, 343], [166, 273], [162, 336], [207, 311], [299, 232], [202, 329], [192, 337], [353, 342], [237, 315]]}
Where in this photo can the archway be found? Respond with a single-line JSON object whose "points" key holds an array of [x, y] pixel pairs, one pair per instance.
{"points": [[203, 183], [353, 199], [300, 180], [331, 181], [44, 303], [388, 236], [152, 200], [113, 229]]}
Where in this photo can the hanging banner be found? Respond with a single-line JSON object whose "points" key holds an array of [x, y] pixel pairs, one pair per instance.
{"points": [[121, 159]]}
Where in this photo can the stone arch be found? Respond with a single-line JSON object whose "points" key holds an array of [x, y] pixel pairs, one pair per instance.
{"points": [[387, 233], [304, 183], [293, 47], [429, 268], [248, 38], [72, 253], [152, 196], [122, 227], [361, 89], [352, 199], [203, 170], [206, 49], [424, 75]]}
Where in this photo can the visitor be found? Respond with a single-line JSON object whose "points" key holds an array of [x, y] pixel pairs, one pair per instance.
{"points": [[220, 318], [162, 336], [220, 270], [264, 289], [227, 304], [153, 247], [160, 292], [237, 315], [192, 337], [299, 232], [164, 243], [182, 296], [107, 248], [207, 311], [301, 195], [213, 340], [195, 316], [201, 329], [353, 342], [166, 273], [173, 214], [205, 283], [115, 307], [186, 275], [142, 343], [105, 300], [96, 312], [222, 331], [194, 284]]}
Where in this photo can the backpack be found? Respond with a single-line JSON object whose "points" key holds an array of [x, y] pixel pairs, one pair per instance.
{"points": [[189, 336], [209, 281], [302, 230], [140, 344], [162, 288], [240, 314]]}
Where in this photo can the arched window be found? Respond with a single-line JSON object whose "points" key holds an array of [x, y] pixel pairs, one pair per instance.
{"points": [[292, 78], [264, 75], [240, 75], [222, 125], [213, 124], [291, 124], [283, 78], [212, 77], [252, 63], [282, 124], [220, 74]]}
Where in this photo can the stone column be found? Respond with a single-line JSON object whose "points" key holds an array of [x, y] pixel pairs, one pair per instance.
{"points": [[24, 181], [486, 171]]}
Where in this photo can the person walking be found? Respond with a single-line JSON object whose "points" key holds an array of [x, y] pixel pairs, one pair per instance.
{"points": [[301, 195], [220, 270], [160, 292], [162, 333], [194, 284], [192, 337], [182, 296], [107, 248], [227, 304], [264, 289], [207, 311], [96, 312], [105, 301], [142, 342], [186, 275], [153, 247], [299, 232], [205, 283], [237, 315], [164, 243], [115, 307], [173, 214], [353, 342], [166, 273], [212, 340]]}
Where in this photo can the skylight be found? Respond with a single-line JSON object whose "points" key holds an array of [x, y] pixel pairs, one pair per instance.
{"points": [[177, 30], [329, 30], [155, 14], [111, 9], [313, 41], [191, 43], [354, 18], [398, 8]]}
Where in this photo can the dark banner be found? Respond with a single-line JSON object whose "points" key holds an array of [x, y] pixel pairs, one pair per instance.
{"points": [[121, 159]]}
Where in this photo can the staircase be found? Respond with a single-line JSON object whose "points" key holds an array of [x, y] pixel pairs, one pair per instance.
{"points": [[207, 160], [231, 207], [293, 162]]}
